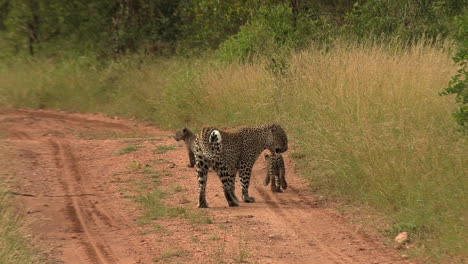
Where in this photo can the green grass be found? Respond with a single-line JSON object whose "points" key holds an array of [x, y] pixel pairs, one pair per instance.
{"points": [[156, 228], [133, 137], [170, 254], [178, 188], [128, 149], [163, 149], [155, 208], [367, 121], [151, 197], [138, 140], [214, 237], [218, 255], [243, 255], [297, 155], [15, 247], [135, 166]]}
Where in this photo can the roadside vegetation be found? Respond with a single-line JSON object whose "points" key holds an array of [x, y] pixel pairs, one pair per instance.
{"points": [[355, 84], [15, 244]]}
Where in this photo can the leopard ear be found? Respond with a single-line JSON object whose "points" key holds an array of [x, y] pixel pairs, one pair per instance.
{"points": [[184, 130], [215, 137]]}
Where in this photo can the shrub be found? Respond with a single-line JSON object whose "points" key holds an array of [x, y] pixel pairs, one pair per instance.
{"points": [[458, 83]]}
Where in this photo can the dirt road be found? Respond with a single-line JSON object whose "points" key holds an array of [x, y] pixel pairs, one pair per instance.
{"points": [[77, 192]]}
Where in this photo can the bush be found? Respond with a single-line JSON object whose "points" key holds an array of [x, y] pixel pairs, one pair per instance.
{"points": [[205, 24], [406, 19], [271, 32], [459, 83]]}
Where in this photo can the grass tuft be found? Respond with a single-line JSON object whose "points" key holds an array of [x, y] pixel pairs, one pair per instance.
{"points": [[128, 149], [163, 149], [170, 254], [297, 155], [155, 208]]}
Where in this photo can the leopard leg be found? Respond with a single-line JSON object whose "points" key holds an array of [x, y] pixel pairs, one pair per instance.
{"points": [[277, 183], [267, 179], [202, 175], [227, 186], [273, 183], [245, 182], [284, 184], [191, 158], [232, 184]]}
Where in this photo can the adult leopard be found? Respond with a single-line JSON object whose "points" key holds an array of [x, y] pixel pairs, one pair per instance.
{"points": [[230, 152]]}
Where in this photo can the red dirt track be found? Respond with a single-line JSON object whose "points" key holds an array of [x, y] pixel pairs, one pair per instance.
{"points": [[74, 188]]}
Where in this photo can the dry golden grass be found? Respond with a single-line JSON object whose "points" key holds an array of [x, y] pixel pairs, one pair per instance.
{"points": [[378, 132]]}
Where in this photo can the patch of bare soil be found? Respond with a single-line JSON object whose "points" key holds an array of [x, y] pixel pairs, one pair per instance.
{"points": [[76, 191]]}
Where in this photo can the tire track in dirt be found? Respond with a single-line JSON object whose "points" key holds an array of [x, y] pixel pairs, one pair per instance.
{"points": [[301, 208], [76, 211], [339, 244], [80, 213], [68, 117], [19, 135], [304, 200], [301, 230]]}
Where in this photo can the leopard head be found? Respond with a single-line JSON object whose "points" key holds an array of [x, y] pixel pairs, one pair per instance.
{"points": [[277, 141], [180, 134]]}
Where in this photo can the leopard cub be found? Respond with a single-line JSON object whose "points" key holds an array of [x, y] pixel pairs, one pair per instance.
{"points": [[275, 172], [188, 137]]}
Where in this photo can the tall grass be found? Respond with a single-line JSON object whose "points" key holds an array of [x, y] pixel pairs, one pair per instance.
{"points": [[378, 133], [14, 249], [368, 117]]}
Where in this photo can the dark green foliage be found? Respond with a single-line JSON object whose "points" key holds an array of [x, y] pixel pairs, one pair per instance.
{"points": [[404, 19], [150, 26], [207, 23], [459, 83], [243, 29], [106, 26], [4, 7], [274, 32], [31, 24], [270, 33]]}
